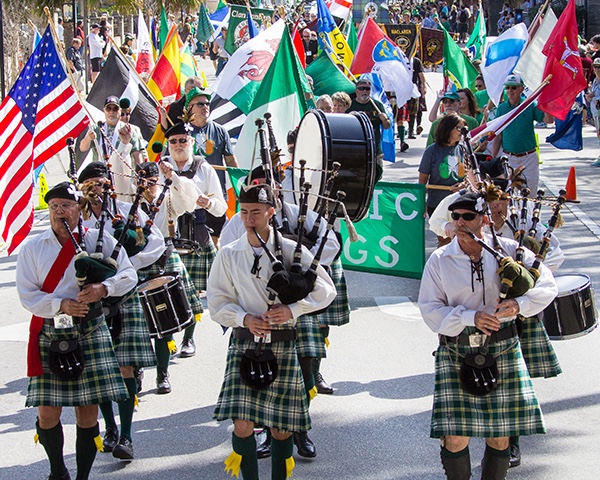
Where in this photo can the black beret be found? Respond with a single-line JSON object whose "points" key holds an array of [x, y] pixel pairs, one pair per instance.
{"points": [[469, 201], [64, 190], [257, 193], [150, 168], [259, 173], [179, 129], [93, 170], [489, 166]]}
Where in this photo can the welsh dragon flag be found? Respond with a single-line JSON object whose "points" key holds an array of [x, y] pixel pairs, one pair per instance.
{"points": [[281, 93]]}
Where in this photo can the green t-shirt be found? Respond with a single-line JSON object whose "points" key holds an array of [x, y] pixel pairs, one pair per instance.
{"points": [[471, 124], [519, 136], [482, 98], [373, 115]]}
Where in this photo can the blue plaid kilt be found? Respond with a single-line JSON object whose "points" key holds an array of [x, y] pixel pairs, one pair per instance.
{"points": [[539, 354], [283, 405], [133, 346], [198, 265], [101, 380], [510, 410], [309, 341], [338, 313], [174, 264]]}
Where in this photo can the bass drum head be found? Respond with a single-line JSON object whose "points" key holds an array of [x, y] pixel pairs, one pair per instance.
{"points": [[348, 139]]}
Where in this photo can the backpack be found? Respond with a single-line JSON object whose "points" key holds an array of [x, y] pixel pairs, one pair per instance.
{"points": [[462, 16]]}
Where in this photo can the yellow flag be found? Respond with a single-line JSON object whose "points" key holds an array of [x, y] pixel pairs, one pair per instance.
{"points": [[43, 191]]}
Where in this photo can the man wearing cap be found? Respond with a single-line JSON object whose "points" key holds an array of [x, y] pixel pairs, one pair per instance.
{"points": [[96, 44], [376, 113], [207, 198], [48, 288], [75, 62], [282, 405], [213, 142], [132, 344], [219, 49], [175, 111], [451, 101], [459, 301], [518, 138]]}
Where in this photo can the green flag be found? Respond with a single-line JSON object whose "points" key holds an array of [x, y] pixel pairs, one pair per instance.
{"points": [[457, 66], [476, 43], [237, 33], [327, 78], [205, 28], [164, 28]]}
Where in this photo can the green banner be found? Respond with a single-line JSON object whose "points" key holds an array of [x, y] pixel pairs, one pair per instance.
{"points": [[237, 33], [392, 237]]}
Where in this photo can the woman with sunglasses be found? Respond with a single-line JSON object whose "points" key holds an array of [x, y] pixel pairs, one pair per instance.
{"points": [[442, 164]]}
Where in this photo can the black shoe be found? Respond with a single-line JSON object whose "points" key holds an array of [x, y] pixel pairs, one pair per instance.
{"points": [[263, 443], [188, 348], [64, 476], [404, 147], [515, 456], [138, 374], [306, 448], [111, 438], [124, 449], [411, 136], [419, 130], [163, 385], [322, 386]]}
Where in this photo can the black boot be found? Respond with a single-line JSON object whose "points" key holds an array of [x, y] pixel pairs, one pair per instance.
{"points": [[494, 464], [515, 452], [162, 382], [306, 448], [322, 386], [457, 465]]}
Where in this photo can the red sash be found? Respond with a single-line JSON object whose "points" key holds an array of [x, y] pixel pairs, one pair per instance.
{"points": [[34, 360]]}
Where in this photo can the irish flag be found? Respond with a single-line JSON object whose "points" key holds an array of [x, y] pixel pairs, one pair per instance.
{"points": [[145, 58]]}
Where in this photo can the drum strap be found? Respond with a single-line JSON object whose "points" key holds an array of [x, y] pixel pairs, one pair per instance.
{"points": [[56, 272]]}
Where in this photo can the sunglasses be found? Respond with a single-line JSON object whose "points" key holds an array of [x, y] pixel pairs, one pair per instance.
{"points": [[448, 101], [511, 87], [175, 141], [468, 217], [126, 114], [363, 89], [111, 108], [200, 104]]}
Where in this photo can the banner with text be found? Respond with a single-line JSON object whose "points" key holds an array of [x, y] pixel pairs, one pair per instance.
{"points": [[405, 36]]}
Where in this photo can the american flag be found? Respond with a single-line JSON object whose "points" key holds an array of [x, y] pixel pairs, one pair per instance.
{"points": [[40, 112]]}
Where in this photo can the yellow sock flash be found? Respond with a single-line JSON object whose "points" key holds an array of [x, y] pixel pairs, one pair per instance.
{"points": [[172, 346], [312, 393], [36, 438], [136, 401], [233, 463], [327, 342], [198, 317], [99, 443], [289, 467]]}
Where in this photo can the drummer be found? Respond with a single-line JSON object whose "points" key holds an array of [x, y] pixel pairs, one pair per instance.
{"points": [[208, 200], [132, 345], [178, 199]]}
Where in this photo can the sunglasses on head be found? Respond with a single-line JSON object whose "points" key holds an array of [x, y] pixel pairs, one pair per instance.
{"points": [[466, 216], [174, 141], [111, 108], [363, 89]]}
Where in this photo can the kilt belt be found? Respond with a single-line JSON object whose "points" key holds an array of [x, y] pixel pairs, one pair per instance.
{"points": [[477, 339], [283, 335], [94, 313]]}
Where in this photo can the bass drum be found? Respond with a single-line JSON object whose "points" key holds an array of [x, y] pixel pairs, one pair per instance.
{"points": [[572, 313], [337, 137]]}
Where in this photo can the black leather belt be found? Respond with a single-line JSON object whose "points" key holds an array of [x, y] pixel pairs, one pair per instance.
{"points": [[522, 154], [476, 339], [94, 313], [284, 335]]}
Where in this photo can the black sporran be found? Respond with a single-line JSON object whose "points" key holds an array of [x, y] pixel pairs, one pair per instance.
{"points": [[66, 359], [258, 368], [479, 374]]}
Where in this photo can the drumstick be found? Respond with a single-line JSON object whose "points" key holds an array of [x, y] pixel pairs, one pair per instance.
{"points": [[439, 187]]}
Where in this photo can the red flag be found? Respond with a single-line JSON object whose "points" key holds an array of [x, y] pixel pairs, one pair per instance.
{"points": [[564, 63], [299, 46], [37, 116], [373, 46]]}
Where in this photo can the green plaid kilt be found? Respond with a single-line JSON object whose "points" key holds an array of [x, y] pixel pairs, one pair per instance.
{"points": [[198, 265], [539, 354], [101, 380], [283, 405], [133, 346], [174, 264], [510, 410], [309, 341], [338, 313]]}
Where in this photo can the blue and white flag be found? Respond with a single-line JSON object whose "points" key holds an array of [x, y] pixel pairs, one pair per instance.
{"points": [[218, 18], [501, 57], [568, 135]]}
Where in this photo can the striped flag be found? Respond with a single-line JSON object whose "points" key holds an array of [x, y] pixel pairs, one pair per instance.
{"points": [[188, 67], [39, 113], [166, 76], [145, 57]]}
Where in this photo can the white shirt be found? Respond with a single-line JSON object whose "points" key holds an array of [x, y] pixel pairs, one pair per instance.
{"points": [[36, 259], [447, 302], [96, 44], [233, 291]]}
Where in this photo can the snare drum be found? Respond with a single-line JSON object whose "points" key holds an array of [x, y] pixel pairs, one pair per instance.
{"points": [[572, 313], [166, 307], [337, 137]]}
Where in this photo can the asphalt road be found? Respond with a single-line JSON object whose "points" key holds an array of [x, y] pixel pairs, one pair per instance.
{"points": [[376, 424]]}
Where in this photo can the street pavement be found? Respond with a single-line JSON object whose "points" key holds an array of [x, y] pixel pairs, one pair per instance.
{"points": [[376, 424]]}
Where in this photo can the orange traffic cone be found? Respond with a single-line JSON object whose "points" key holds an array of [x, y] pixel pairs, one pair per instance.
{"points": [[571, 187]]}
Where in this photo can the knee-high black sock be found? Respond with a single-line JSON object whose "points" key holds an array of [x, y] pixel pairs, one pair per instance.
{"points": [[126, 408], [411, 124], [52, 439], [85, 450], [457, 465], [282, 460], [108, 415], [248, 463], [163, 355], [306, 365], [495, 463]]}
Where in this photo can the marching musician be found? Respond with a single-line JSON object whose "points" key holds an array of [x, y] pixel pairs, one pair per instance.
{"points": [[179, 198], [282, 406], [209, 201], [47, 287], [459, 300], [132, 344]]}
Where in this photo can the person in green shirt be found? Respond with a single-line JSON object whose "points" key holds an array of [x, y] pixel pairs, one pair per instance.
{"points": [[451, 102]]}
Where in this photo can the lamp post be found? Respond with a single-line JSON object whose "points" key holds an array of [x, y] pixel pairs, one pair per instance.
{"points": [[2, 85]]}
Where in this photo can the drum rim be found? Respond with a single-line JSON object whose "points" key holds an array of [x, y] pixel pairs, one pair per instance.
{"points": [[174, 276], [584, 286], [575, 335]]}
